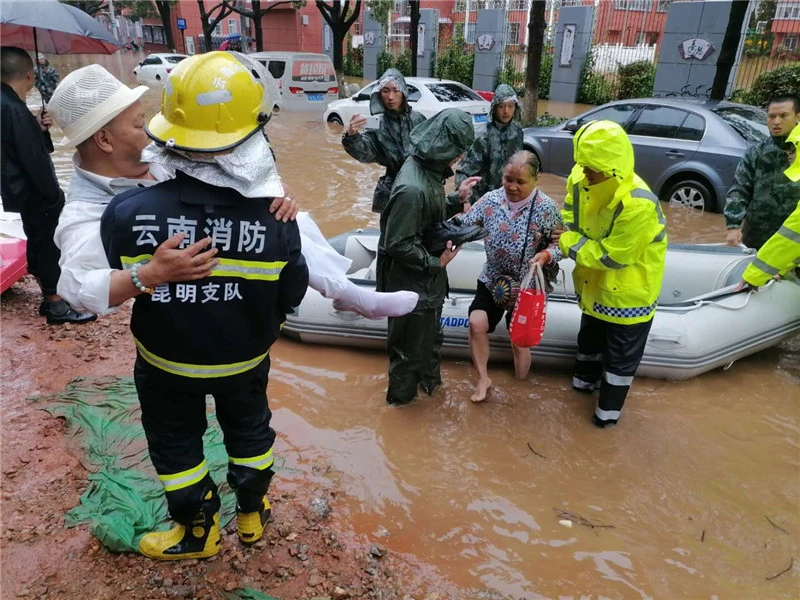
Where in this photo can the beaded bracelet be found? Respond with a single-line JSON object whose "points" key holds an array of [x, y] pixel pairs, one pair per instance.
{"points": [[137, 282]]}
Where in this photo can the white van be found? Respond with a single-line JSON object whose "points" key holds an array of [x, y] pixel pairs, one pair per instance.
{"points": [[307, 81]]}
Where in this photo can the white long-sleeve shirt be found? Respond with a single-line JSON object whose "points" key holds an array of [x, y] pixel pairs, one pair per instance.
{"points": [[85, 273]]}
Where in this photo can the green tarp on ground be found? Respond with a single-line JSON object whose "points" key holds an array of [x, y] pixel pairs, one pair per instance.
{"points": [[124, 499]]}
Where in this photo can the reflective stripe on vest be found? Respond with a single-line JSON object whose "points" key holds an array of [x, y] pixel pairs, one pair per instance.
{"points": [[198, 371], [573, 250], [662, 220], [766, 268], [227, 267], [624, 313], [576, 214], [256, 462], [789, 234], [608, 261], [184, 479]]}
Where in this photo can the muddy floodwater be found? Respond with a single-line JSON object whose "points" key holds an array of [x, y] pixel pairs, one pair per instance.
{"points": [[675, 502]]}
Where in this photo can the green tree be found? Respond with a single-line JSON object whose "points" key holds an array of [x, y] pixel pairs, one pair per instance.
{"points": [[90, 7], [381, 9], [258, 11], [210, 20], [139, 9], [340, 17]]}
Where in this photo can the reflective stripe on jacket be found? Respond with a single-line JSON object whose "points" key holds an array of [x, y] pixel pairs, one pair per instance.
{"points": [[617, 232], [779, 254]]}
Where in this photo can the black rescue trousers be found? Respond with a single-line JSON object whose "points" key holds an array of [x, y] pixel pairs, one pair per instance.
{"points": [[39, 224], [415, 354], [608, 356], [174, 421]]}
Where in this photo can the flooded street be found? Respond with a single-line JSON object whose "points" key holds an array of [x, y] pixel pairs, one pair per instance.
{"points": [[675, 502]]}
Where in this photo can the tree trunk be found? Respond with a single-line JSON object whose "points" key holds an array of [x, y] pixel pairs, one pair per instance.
{"points": [[727, 54], [530, 103], [165, 11], [259, 33], [414, 38], [336, 18]]}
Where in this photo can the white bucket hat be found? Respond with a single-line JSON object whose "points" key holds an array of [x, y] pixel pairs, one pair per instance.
{"points": [[87, 99]]}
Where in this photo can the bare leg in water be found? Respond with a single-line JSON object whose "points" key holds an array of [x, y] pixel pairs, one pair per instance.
{"points": [[327, 274], [522, 361], [479, 348]]}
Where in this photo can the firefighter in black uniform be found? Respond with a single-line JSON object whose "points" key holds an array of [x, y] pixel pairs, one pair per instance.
{"points": [[213, 335]]}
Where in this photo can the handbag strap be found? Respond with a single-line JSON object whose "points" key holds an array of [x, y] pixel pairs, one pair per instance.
{"points": [[535, 275], [527, 229]]}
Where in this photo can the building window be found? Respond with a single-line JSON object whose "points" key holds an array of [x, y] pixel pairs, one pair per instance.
{"points": [[460, 6], [788, 11], [399, 32], [790, 43], [518, 5], [233, 26], [634, 5], [458, 31], [357, 28], [495, 4], [569, 3], [217, 30], [512, 34]]}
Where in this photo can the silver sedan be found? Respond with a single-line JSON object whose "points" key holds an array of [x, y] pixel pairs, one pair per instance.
{"points": [[687, 151]]}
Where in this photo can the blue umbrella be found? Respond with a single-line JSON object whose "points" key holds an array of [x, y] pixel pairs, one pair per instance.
{"points": [[52, 27]]}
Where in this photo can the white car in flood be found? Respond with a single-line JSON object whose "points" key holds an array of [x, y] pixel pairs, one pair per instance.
{"points": [[426, 95], [157, 67]]}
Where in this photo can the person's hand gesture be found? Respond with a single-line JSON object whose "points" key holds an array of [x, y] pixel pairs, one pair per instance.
{"points": [[465, 189], [286, 208], [357, 123], [734, 237], [172, 264], [556, 233], [449, 254], [45, 120], [541, 258]]}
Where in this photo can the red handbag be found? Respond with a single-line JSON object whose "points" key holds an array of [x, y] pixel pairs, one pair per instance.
{"points": [[528, 318]]}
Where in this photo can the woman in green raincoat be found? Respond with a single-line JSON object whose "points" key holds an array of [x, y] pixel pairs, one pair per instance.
{"points": [[483, 165], [390, 144]]}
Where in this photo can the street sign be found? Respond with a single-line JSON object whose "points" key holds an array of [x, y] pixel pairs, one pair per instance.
{"points": [[181, 24]]}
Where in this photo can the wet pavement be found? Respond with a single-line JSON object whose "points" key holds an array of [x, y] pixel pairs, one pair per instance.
{"points": [[675, 502]]}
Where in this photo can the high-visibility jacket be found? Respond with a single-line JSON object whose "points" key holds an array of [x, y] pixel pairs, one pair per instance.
{"points": [[782, 250], [616, 230], [224, 325]]}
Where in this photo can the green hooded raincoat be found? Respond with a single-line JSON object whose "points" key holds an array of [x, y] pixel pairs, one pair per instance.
{"points": [[490, 151], [418, 201], [390, 144]]}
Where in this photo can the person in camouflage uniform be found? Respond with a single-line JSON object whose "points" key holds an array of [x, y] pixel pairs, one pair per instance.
{"points": [[761, 197], [46, 78], [390, 144], [418, 201], [492, 150]]}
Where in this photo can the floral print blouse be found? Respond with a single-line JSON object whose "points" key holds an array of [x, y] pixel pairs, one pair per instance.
{"points": [[505, 254]]}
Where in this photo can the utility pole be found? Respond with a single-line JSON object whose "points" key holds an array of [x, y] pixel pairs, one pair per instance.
{"points": [[114, 27]]}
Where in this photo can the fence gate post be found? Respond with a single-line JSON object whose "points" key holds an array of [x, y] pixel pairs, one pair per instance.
{"points": [[490, 43], [373, 46], [428, 41], [572, 46]]}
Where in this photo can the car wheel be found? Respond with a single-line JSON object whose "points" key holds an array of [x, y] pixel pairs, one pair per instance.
{"points": [[691, 193], [334, 118]]}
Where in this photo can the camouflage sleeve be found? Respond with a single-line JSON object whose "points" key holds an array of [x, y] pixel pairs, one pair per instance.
{"points": [[364, 147], [741, 192]]}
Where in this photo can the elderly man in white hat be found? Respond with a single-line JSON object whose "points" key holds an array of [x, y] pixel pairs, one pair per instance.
{"points": [[104, 120]]}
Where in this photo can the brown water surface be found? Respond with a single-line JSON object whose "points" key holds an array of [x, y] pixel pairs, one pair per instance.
{"points": [[679, 493]]}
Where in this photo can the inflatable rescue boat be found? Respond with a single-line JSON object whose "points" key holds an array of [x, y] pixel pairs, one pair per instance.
{"points": [[701, 323]]}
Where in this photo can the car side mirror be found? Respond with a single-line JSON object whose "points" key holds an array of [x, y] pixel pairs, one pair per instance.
{"points": [[362, 98], [571, 126]]}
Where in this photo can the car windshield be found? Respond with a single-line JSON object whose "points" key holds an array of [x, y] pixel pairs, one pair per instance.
{"points": [[174, 59], [750, 123], [453, 92]]}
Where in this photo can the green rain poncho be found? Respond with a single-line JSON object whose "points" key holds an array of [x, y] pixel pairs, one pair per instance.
{"points": [[418, 201], [491, 150], [390, 144]]}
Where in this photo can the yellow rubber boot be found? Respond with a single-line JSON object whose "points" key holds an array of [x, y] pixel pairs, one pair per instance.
{"points": [[250, 526], [200, 540]]}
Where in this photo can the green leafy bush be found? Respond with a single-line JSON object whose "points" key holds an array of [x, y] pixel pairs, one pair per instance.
{"points": [[385, 61], [594, 88], [456, 63], [783, 81], [636, 80], [353, 61], [402, 62], [546, 120], [546, 73]]}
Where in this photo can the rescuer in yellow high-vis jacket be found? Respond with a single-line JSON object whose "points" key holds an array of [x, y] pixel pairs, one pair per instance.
{"points": [[782, 250], [617, 236]]}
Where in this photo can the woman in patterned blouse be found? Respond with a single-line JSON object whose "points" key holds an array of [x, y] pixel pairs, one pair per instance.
{"points": [[524, 225]]}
